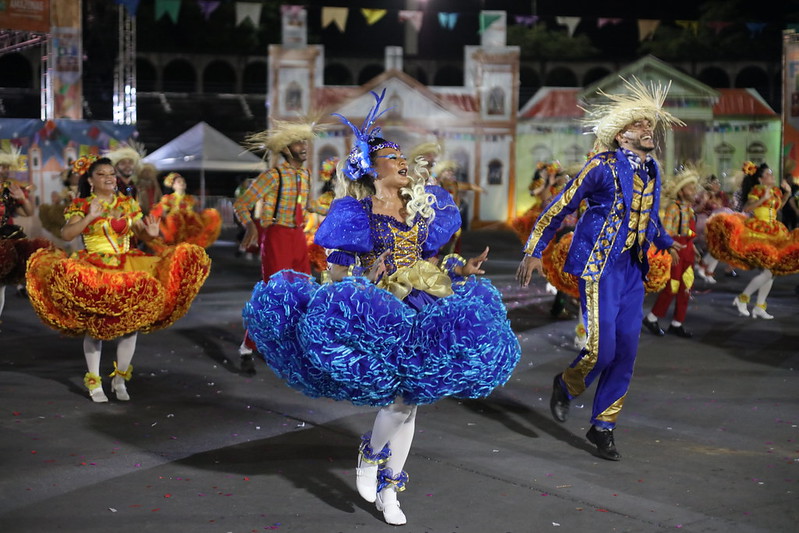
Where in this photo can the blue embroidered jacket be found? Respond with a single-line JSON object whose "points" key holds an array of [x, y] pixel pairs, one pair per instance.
{"points": [[606, 183]]}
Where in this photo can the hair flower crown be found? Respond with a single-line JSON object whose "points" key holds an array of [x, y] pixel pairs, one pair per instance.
{"points": [[82, 164], [749, 168]]}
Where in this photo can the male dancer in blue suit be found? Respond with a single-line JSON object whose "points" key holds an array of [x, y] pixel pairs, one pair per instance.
{"points": [[608, 251]]}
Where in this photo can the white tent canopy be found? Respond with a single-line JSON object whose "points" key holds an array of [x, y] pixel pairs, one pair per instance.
{"points": [[204, 148]]}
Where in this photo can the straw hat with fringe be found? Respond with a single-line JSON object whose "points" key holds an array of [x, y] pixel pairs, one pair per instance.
{"points": [[13, 159], [133, 151], [690, 173], [282, 133], [430, 147], [445, 165], [641, 101]]}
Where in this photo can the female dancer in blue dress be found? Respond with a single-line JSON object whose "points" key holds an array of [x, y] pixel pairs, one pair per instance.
{"points": [[393, 329]]}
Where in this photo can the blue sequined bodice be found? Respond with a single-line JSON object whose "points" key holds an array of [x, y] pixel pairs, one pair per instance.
{"points": [[404, 241]]}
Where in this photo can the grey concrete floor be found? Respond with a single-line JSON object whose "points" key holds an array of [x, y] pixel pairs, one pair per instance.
{"points": [[709, 433]]}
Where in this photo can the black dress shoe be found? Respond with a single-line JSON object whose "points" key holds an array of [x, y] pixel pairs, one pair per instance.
{"points": [[560, 402], [680, 331], [731, 274], [605, 445], [654, 327], [247, 364]]}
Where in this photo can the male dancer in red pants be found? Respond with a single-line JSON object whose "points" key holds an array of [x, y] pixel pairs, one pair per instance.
{"points": [[272, 209], [679, 222]]}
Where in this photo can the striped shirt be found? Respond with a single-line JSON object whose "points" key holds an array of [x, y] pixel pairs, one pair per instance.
{"points": [[293, 184]]}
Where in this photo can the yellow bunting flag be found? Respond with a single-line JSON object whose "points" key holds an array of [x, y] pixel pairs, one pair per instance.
{"points": [[373, 15], [692, 25]]}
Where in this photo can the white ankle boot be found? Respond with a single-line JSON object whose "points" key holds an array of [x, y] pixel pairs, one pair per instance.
{"points": [[118, 388], [368, 464], [759, 311], [366, 479], [388, 503], [741, 306]]}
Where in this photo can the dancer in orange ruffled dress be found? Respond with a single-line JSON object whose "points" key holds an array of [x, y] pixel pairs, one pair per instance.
{"points": [[541, 189], [760, 241], [179, 220], [110, 290]]}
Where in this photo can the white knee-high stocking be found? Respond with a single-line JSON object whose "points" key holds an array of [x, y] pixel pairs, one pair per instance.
{"points": [[757, 282], [765, 289], [2, 298], [92, 348], [126, 345], [395, 423]]}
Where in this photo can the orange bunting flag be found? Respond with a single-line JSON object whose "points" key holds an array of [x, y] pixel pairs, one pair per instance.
{"points": [[646, 28], [335, 15], [373, 15]]}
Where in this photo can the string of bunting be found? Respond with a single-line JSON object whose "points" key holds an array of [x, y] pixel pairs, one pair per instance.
{"points": [[249, 12]]}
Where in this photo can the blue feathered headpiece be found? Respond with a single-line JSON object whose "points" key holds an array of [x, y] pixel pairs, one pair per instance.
{"points": [[359, 162]]}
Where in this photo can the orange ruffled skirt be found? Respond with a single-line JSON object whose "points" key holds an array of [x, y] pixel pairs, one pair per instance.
{"points": [[145, 293], [554, 257], [523, 225], [201, 228], [746, 242]]}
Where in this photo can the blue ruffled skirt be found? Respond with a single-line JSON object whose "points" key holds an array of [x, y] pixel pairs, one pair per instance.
{"points": [[353, 341]]}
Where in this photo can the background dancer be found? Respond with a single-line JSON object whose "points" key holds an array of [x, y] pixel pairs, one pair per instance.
{"points": [[760, 241], [110, 290]]}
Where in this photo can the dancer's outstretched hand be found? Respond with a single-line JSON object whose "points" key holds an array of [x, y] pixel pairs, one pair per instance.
{"points": [[526, 268], [473, 265]]}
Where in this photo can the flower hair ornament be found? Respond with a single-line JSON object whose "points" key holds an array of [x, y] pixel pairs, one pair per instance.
{"points": [[170, 178], [749, 168], [81, 165], [359, 162]]}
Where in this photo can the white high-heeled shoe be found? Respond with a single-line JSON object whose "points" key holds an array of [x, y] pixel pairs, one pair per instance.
{"points": [[94, 383], [118, 387], [741, 306], [98, 395], [388, 503], [760, 312]]}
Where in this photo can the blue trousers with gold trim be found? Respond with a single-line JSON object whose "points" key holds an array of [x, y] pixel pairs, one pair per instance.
{"points": [[612, 312]]}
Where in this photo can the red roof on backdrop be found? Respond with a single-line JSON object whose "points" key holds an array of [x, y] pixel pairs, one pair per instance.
{"points": [[561, 102], [741, 102], [554, 102]]}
